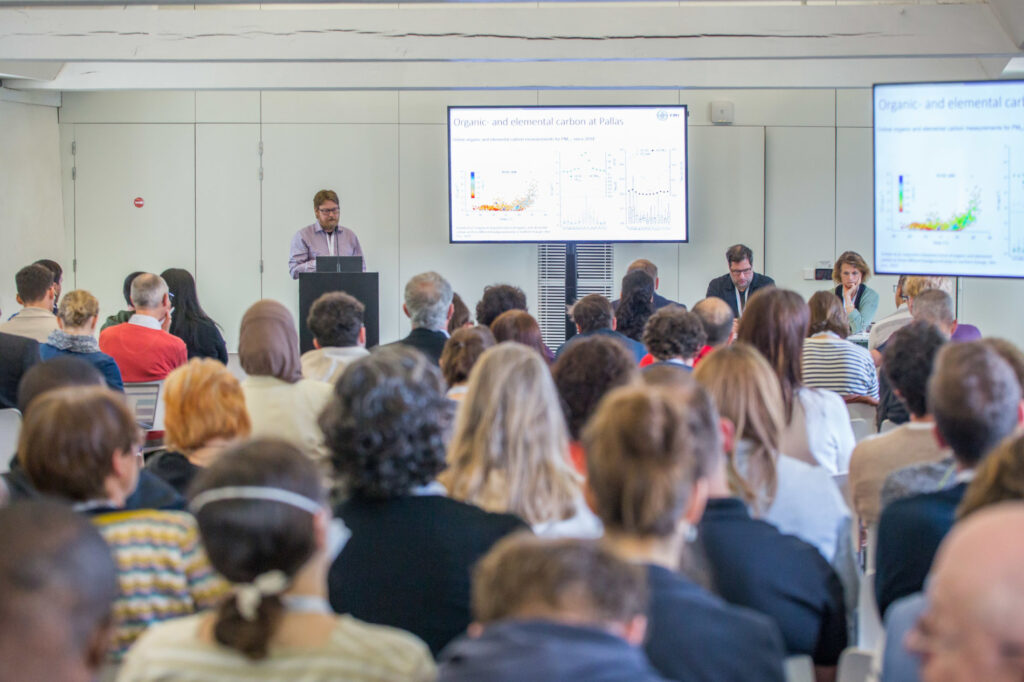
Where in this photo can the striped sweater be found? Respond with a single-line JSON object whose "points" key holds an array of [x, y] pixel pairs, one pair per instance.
{"points": [[838, 365], [162, 570]]}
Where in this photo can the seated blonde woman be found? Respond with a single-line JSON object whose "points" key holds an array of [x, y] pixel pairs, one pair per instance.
{"points": [[281, 403], [204, 413], [510, 450], [76, 317]]}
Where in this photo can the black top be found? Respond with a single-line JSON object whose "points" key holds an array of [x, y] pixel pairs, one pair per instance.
{"points": [[151, 492], [889, 405], [754, 565], [693, 636], [659, 302], [174, 468], [542, 651], [17, 354], [408, 562], [427, 341], [723, 288], [208, 342], [909, 533]]}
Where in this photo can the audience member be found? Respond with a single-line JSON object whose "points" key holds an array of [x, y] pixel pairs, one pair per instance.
{"points": [[736, 287], [674, 336], [498, 298], [204, 413], [753, 564], [459, 356], [636, 305], [583, 373], [265, 523], [142, 347], [510, 450], [57, 584], [17, 355], [77, 315], [521, 327], [882, 329], [162, 570], [999, 478], [859, 300], [973, 625], [917, 285], [798, 498], [62, 372], [280, 402], [719, 325], [460, 315], [408, 561], [190, 323], [975, 400], [649, 452], [651, 269], [593, 316], [428, 305], [123, 316], [817, 428], [830, 361], [909, 357], [36, 295], [339, 336], [553, 610], [58, 279]]}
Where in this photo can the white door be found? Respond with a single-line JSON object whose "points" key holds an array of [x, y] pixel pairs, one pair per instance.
{"points": [[134, 204]]}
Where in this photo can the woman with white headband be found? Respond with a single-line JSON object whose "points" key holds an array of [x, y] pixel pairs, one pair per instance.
{"points": [[263, 518]]}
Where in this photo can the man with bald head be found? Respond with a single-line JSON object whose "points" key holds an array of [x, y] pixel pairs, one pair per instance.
{"points": [[973, 626], [57, 585], [719, 324]]}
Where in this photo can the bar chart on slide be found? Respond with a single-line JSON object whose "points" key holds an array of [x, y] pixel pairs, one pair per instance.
{"points": [[570, 179]]}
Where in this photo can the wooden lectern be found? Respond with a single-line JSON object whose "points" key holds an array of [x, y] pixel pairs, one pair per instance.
{"points": [[363, 286]]}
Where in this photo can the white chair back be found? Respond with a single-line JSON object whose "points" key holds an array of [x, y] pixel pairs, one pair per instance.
{"points": [[147, 401], [10, 429], [862, 429], [862, 411], [855, 665], [799, 669]]}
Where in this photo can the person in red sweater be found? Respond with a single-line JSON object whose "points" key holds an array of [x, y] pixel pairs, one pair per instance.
{"points": [[142, 346]]}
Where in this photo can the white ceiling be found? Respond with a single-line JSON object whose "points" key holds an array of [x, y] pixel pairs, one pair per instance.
{"points": [[715, 43]]}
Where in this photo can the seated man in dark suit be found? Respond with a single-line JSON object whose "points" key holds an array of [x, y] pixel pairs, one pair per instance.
{"points": [[594, 316], [428, 305], [652, 270], [975, 400], [737, 286], [554, 610], [17, 355]]}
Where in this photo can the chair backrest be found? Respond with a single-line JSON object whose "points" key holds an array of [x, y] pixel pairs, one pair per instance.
{"points": [[10, 429], [862, 428], [799, 668], [862, 411], [146, 400], [855, 665]]}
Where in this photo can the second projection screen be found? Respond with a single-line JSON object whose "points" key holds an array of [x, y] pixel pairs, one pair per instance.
{"points": [[567, 174]]}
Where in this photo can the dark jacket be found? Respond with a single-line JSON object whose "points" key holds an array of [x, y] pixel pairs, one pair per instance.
{"points": [[542, 651], [909, 534], [694, 636], [17, 355], [207, 341], [174, 469], [659, 302], [754, 565], [427, 341], [723, 288]]}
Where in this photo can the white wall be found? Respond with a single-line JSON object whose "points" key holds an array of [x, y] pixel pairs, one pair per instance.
{"points": [[791, 178], [31, 212]]}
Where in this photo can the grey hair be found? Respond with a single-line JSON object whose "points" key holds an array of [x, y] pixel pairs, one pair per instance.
{"points": [[427, 297], [934, 306], [148, 290]]}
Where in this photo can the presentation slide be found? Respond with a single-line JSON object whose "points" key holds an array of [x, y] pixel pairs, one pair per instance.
{"points": [[561, 174], [949, 179]]}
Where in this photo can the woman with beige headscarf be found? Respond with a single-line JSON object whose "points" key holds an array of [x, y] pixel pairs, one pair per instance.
{"points": [[281, 403]]}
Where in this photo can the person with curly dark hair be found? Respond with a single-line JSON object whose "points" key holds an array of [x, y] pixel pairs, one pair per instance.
{"points": [[583, 373], [674, 337], [636, 305], [499, 298], [594, 316], [461, 352], [386, 428]]}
